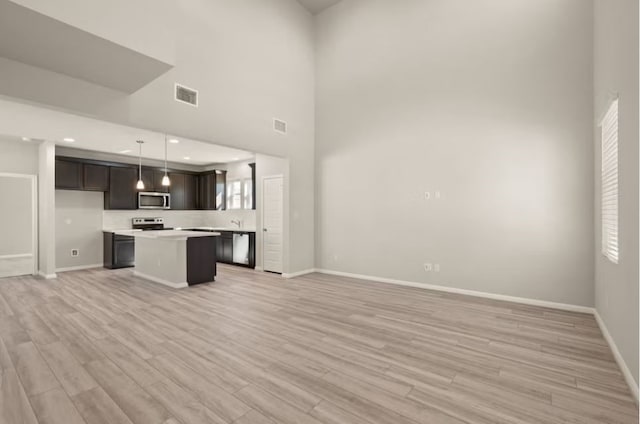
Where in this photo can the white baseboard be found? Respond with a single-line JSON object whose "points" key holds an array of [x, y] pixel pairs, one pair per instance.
{"points": [[631, 382], [299, 273], [78, 268], [161, 281], [494, 296], [47, 276]]}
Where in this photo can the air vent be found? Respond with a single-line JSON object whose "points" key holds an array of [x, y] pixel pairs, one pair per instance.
{"points": [[186, 95], [279, 126]]}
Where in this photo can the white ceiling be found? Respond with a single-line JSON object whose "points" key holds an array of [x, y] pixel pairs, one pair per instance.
{"points": [[317, 6], [91, 134]]}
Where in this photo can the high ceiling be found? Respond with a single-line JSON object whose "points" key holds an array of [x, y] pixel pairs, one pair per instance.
{"points": [[317, 6]]}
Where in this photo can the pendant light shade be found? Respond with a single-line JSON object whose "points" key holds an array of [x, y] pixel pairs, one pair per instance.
{"points": [[140, 185], [165, 180]]}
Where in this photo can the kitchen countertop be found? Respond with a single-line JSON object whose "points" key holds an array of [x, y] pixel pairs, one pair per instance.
{"points": [[128, 232], [172, 234], [234, 229]]}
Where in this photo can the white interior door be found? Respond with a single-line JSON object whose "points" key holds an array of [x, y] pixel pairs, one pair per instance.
{"points": [[272, 223], [17, 225]]}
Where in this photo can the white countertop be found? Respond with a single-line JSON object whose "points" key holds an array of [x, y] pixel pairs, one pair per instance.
{"points": [[246, 230], [172, 234], [128, 232]]}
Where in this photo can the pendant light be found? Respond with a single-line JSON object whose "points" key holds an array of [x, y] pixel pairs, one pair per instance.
{"points": [[165, 180], [140, 185]]}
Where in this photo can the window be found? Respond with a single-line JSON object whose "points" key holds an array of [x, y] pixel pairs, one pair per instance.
{"points": [[609, 128], [239, 194], [234, 195], [247, 194]]}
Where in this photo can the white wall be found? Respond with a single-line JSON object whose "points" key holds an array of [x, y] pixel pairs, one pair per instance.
{"points": [[78, 226], [616, 71], [251, 60], [223, 218], [488, 102], [18, 157]]}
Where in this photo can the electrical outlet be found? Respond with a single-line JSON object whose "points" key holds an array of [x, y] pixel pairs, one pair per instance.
{"points": [[437, 194], [75, 252], [428, 267], [427, 195], [436, 267]]}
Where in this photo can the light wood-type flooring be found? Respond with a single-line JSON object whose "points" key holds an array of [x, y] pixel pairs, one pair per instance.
{"points": [[102, 346]]}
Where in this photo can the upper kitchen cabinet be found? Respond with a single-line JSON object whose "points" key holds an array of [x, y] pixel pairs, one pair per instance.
{"points": [[68, 175], [212, 190], [152, 179], [95, 177], [75, 175], [122, 192], [184, 191], [253, 185]]}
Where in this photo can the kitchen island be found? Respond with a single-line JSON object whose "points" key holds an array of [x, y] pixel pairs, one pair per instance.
{"points": [[175, 258]]}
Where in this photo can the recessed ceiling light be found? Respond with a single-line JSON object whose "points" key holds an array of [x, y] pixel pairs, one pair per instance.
{"points": [[236, 159], [69, 139], [26, 139], [186, 158], [174, 141], [125, 151]]}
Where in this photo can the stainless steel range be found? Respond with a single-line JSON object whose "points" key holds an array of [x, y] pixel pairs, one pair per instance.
{"points": [[147, 224]]}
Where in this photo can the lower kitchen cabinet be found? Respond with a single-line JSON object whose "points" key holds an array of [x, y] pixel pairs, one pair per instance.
{"points": [[224, 249], [119, 250], [237, 248]]}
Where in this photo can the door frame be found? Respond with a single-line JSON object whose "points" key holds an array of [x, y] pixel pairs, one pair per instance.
{"points": [[268, 177], [34, 217]]}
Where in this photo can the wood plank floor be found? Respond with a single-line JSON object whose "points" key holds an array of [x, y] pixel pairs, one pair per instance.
{"points": [[102, 346]]}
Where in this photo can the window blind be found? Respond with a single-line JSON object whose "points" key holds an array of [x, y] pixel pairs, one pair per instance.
{"points": [[609, 128]]}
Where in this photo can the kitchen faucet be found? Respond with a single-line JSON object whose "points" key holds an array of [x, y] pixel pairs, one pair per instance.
{"points": [[237, 222]]}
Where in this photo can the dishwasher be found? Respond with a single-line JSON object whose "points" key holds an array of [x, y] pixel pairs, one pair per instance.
{"points": [[241, 248]]}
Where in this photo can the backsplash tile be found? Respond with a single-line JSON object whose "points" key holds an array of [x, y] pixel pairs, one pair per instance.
{"points": [[112, 220]]}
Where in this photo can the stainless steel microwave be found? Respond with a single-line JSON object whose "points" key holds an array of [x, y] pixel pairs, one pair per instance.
{"points": [[148, 200]]}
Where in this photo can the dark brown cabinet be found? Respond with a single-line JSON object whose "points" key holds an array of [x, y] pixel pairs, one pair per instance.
{"points": [[118, 250], [95, 177], [152, 179], [184, 191], [68, 175], [237, 248], [224, 248], [212, 188], [122, 192], [189, 190], [253, 185]]}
